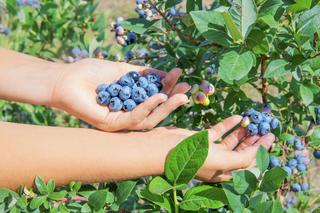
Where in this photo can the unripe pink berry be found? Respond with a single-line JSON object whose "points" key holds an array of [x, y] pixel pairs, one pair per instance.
{"points": [[69, 59], [201, 98], [119, 30], [306, 161], [120, 40], [194, 89], [207, 88], [245, 121]]}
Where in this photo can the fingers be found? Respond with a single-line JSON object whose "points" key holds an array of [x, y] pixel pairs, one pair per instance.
{"points": [[180, 88], [223, 127], [249, 141], [128, 120], [170, 80], [163, 111], [232, 140]]}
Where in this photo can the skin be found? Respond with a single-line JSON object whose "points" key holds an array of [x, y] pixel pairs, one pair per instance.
{"points": [[87, 155]]}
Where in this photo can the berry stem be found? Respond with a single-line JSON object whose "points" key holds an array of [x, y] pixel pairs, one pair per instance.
{"points": [[264, 87], [176, 202]]}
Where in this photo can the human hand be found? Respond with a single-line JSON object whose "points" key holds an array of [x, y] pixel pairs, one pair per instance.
{"points": [[74, 93], [236, 151]]}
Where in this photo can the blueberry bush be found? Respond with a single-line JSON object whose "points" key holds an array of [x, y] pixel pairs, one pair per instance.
{"points": [[260, 57]]}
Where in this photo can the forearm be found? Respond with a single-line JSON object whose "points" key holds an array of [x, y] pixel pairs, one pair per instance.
{"points": [[66, 154], [27, 79]]}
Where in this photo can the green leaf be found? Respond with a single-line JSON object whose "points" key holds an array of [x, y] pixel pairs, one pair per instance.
{"points": [[203, 197], [258, 42], [41, 186], [159, 186], [235, 65], [315, 138], [162, 201], [234, 199], [272, 179], [276, 68], [235, 33], [98, 199], [300, 5], [51, 186], [306, 94], [193, 5], [58, 195], [262, 159], [186, 158], [244, 14], [171, 3], [37, 202], [277, 206], [86, 208], [243, 181], [309, 21], [139, 26], [124, 190]]}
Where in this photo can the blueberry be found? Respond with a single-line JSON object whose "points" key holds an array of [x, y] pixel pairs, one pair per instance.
{"points": [[290, 142], [139, 95], [159, 85], [153, 78], [173, 11], [316, 154], [256, 117], [274, 161], [296, 187], [152, 89], [114, 89], [301, 167], [125, 93], [292, 163], [76, 51], [266, 117], [288, 170], [115, 104], [126, 81], [134, 75], [105, 53], [211, 70], [103, 98], [249, 112], [142, 82], [298, 145], [102, 87], [129, 55], [267, 108], [300, 158], [304, 186], [132, 37], [264, 128], [252, 129], [274, 123], [84, 54], [129, 105]]}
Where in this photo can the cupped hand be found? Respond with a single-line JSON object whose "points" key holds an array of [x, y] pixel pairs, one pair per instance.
{"points": [[74, 93], [237, 150]]}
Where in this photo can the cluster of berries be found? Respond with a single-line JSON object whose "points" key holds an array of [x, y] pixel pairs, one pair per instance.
{"points": [[200, 94], [259, 122], [31, 3], [131, 90], [290, 201], [123, 37], [145, 10], [317, 111], [173, 11], [4, 30], [77, 55]]}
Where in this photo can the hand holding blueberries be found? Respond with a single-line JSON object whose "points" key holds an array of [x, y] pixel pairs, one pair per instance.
{"points": [[133, 98]]}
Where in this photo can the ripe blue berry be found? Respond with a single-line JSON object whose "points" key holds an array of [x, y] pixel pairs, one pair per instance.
{"points": [[125, 93], [252, 129], [129, 105], [304, 186], [292, 163], [274, 161], [134, 75], [296, 187], [267, 108], [298, 145], [301, 167], [105, 53], [152, 89], [274, 123], [132, 37], [114, 89], [288, 170], [126, 81], [115, 104], [142, 82], [264, 128], [153, 78], [300, 158], [103, 97], [256, 117], [266, 117], [102, 87], [139, 95], [76, 51], [316, 154], [249, 112]]}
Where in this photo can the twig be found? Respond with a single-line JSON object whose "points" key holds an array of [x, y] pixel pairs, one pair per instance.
{"points": [[264, 86]]}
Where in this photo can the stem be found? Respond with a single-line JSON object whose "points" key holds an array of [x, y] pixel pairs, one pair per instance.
{"points": [[264, 87], [176, 202]]}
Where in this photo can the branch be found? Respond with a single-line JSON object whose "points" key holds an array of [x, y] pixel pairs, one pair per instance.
{"points": [[264, 87]]}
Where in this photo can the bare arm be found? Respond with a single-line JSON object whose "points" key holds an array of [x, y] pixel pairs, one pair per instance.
{"points": [[66, 154]]}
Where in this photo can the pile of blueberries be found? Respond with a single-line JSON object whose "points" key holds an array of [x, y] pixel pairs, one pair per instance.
{"points": [[129, 91], [259, 122], [122, 37], [31, 3]]}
